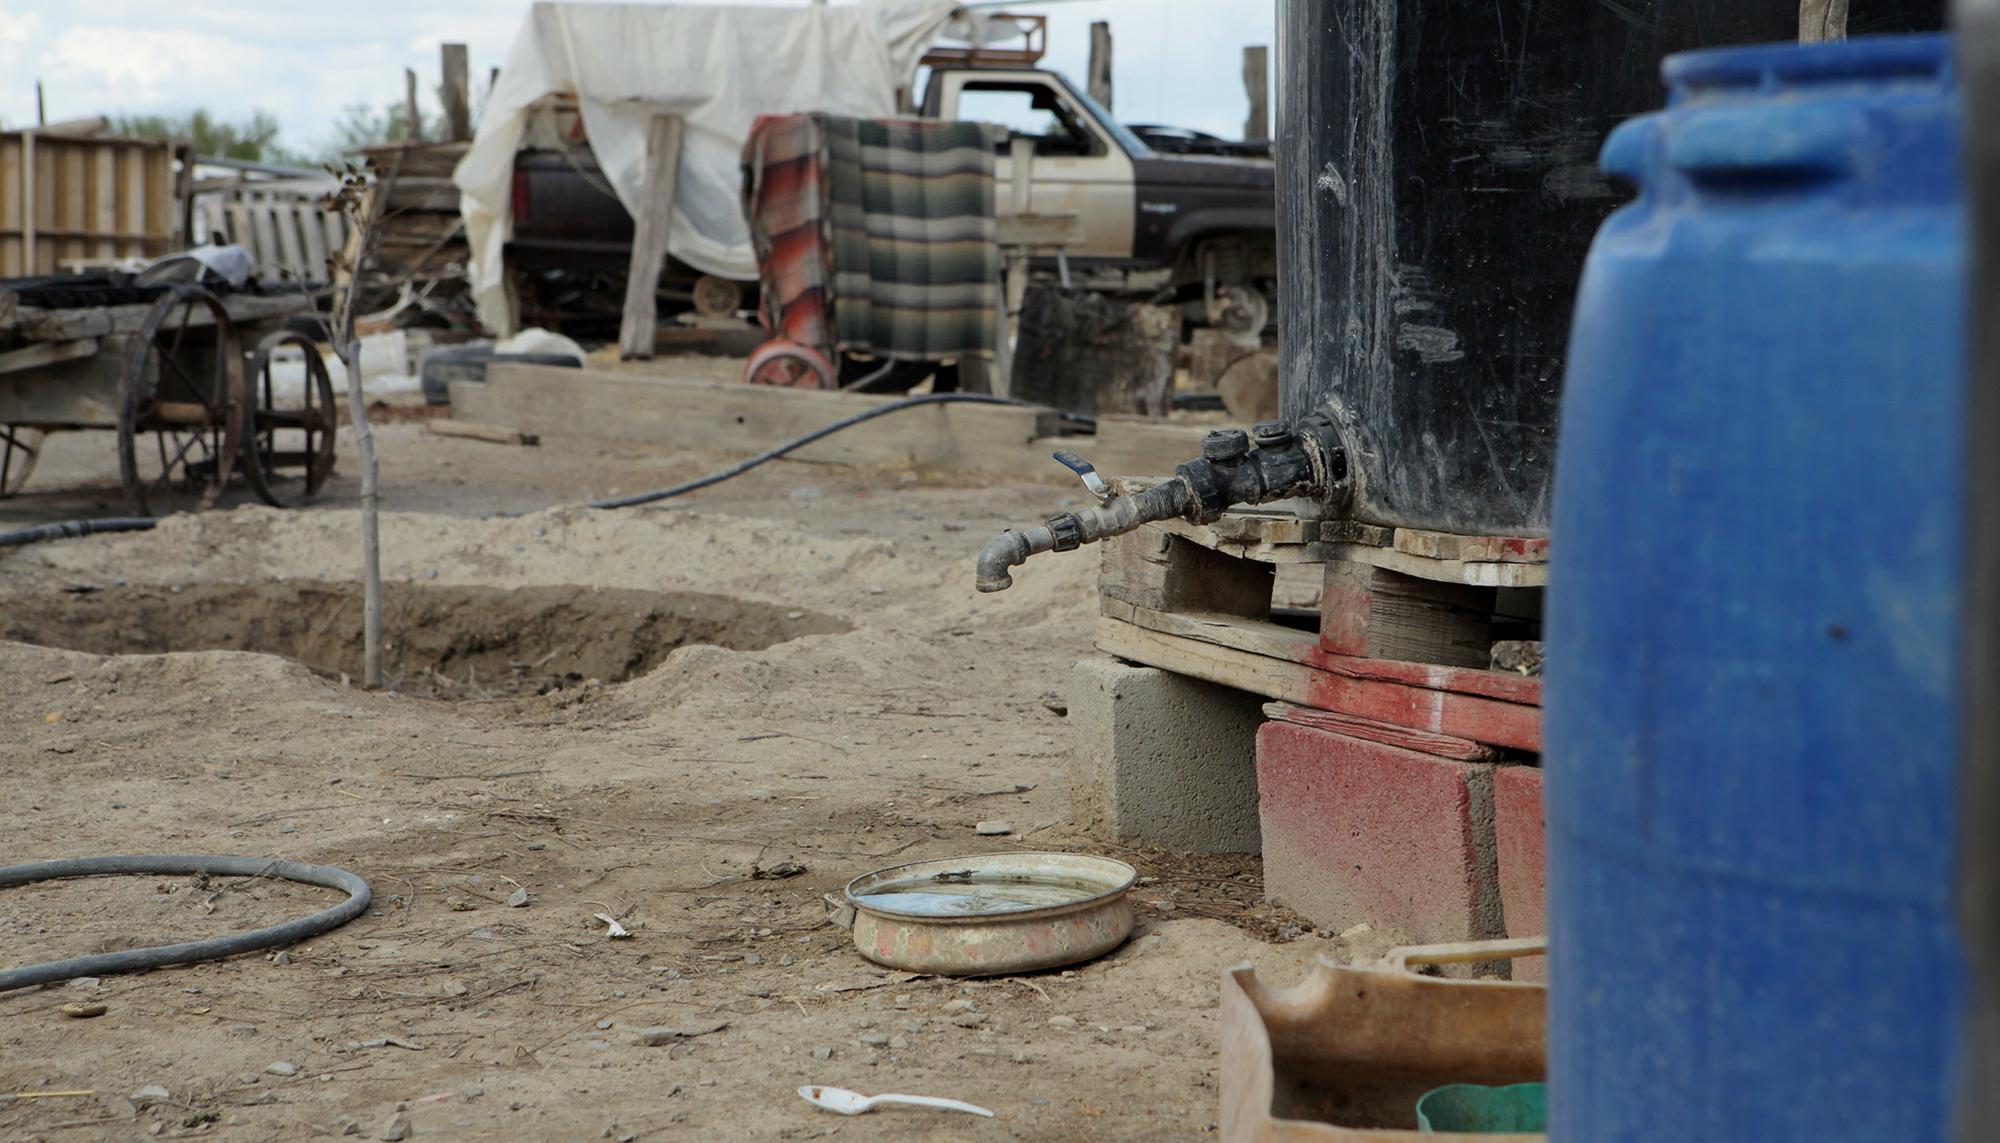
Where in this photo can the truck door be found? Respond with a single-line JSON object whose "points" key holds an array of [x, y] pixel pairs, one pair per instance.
{"points": [[1079, 169]]}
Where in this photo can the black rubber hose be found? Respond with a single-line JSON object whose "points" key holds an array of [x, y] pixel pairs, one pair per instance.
{"points": [[133, 960], [744, 466], [69, 529]]}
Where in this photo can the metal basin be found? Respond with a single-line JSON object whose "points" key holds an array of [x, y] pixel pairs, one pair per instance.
{"points": [[992, 914]]}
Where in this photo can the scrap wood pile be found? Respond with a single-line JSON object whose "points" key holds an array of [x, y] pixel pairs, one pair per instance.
{"points": [[420, 256]]}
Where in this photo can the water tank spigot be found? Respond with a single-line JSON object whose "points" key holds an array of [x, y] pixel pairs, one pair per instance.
{"points": [[1308, 461]]}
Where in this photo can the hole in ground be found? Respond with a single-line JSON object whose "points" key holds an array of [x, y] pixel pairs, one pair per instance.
{"points": [[445, 642]]}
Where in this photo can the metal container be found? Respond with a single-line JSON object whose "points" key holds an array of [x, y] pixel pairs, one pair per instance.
{"points": [[1751, 769], [1437, 192], [992, 914]]}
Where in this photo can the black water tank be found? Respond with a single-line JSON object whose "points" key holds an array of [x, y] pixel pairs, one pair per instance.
{"points": [[1437, 192]]}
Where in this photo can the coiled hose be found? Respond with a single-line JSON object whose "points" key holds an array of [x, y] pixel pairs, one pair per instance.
{"points": [[133, 960], [72, 528]]}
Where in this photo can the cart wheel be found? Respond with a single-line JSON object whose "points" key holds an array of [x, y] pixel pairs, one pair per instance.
{"points": [[180, 422], [288, 429], [20, 448], [789, 364]]}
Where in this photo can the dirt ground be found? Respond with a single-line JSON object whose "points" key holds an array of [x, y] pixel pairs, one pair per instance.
{"points": [[644, 714]]}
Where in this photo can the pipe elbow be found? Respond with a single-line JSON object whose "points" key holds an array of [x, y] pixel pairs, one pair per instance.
{"points": [[997, 559]]}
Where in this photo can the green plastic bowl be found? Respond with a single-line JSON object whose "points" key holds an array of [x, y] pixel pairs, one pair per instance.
{"points": [[1520, 1108]]}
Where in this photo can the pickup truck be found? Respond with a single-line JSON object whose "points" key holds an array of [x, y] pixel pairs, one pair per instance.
{"points": [[1200, 226]]}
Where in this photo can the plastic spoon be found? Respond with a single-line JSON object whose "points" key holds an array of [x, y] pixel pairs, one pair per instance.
{"points": [[845, 1102]]}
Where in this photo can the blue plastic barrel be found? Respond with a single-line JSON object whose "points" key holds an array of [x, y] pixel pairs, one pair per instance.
{"points": [[1753, 612]]}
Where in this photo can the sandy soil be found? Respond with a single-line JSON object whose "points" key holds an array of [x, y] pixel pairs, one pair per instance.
{"points": [[791, 667]]}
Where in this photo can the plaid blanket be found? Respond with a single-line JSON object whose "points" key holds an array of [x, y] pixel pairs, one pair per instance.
{"points": [[875, 235]]}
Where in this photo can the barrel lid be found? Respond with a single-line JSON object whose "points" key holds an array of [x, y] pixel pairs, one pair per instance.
{"points": [[1788, 65]]}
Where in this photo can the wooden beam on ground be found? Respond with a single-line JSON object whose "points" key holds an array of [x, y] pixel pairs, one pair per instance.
{"points": [[457, 93], [479, 431], [1257, 85], [1098, 72], [730, 417], [649, 238], [46, 353]]}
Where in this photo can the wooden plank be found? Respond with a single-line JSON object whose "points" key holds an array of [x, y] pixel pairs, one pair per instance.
{"points": [[1298, 646], [1302, 646], [1165, 572], [456, 93], [478, 431], [285, 220], [11, 213], [725, 417], [1387, 615], [36, 324], [82, 392], [1479, 573], [101, 196], [314, 234], [649, 244], [413, 118], [46, 353], [1209, 648], [270, 259], [1449, 546], [1422, 741], [240, 231], [1257, 86], [1097, 73], [31, 207]]}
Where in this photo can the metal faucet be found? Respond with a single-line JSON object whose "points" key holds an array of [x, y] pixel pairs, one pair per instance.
{"points": [[1285, 463]]}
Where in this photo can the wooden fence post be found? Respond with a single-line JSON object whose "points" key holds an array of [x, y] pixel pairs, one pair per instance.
{"points": [[638, 329], [1822, 20], [1098, 73], [457, 93], [1256, 84]]}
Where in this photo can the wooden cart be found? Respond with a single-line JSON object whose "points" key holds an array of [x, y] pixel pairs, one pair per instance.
{"points": [[172, 378]]}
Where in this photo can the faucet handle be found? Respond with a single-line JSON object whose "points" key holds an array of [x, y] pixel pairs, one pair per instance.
{"points": [[1088, 472]]}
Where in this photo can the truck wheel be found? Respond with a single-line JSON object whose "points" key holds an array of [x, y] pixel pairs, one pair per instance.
{"points": [[1241, 312], [790, 365], [717, 297]]}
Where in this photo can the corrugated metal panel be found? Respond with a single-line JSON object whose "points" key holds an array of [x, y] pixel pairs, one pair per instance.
{"points": [[67, 199]]}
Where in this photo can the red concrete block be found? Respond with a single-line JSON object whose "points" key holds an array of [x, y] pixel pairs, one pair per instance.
{"points": [[1364, 831], [1517, 840]]}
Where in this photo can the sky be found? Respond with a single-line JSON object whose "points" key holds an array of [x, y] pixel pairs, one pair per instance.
{"points": [[1174, 61]]}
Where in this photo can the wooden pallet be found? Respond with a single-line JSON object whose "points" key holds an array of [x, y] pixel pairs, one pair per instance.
{"points": [[1387, 645]]}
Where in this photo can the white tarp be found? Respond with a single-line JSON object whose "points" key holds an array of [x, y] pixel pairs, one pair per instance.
{"points": [[718, 68]]}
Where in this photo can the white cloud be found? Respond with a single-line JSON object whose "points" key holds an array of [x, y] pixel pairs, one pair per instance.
{"points": [[305, 61]]}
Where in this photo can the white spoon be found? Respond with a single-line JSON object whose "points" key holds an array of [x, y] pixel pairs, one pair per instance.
{"points": [[839, 1099]]}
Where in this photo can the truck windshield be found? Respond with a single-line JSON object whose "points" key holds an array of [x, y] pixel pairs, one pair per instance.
{"points": [[1132, 144]]}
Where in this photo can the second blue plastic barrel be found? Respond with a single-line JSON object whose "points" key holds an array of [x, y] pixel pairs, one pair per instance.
{"points": [[1753, 612]]}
